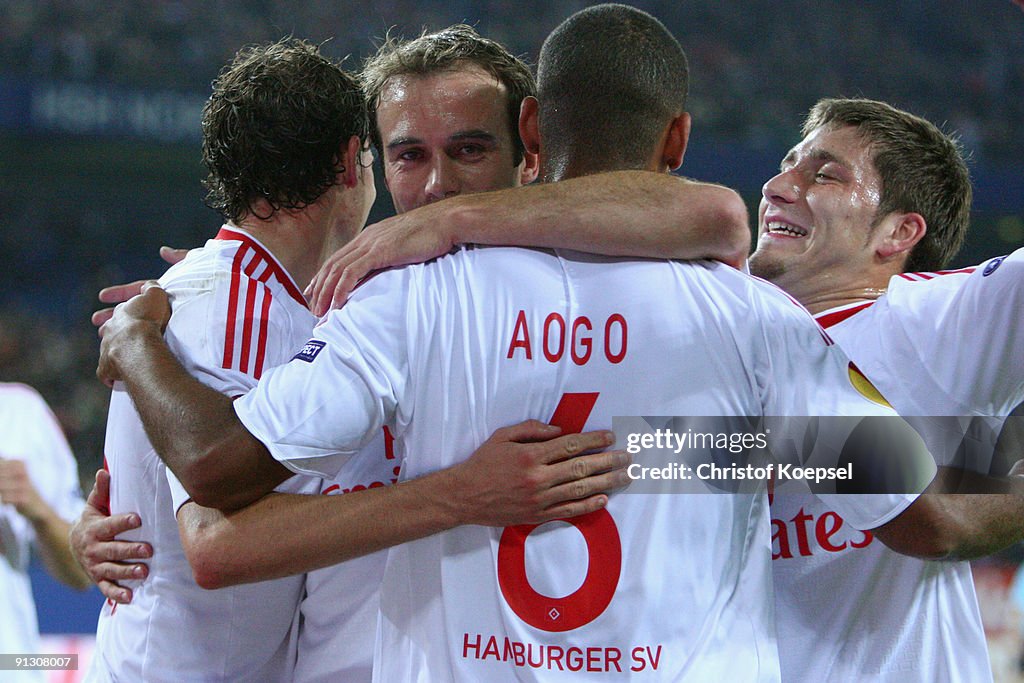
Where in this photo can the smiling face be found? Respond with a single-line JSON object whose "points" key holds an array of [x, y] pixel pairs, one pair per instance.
{"points": [[817, 216], [446, 134]]}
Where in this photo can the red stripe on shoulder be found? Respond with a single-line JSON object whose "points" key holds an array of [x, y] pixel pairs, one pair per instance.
{"points": [[261, 341], [829, 319], [249, 304], [229, 329], [914, 277], [226, 233], [250, 307]]}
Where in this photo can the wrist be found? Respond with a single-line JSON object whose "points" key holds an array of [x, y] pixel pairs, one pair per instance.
{"points": [[134, 338], [444, 498], [463, 221], [36, 513]]}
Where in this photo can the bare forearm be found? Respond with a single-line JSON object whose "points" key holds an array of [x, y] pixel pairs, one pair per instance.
{"points": [[944, 524], [515, 477], [193, 427], [987, 523], [983, 523], [55, 550], [623, 213], [301, 533]]}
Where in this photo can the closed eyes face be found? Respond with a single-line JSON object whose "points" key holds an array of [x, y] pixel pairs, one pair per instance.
{"points": [[445, 134], [817, 213]]}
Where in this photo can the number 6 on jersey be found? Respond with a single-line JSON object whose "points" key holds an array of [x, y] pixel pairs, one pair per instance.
{"points": [[604, 552]]}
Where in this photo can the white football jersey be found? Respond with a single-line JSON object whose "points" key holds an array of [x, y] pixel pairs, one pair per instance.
{"points": [[236, 312], [937, 344], [29, 431], [655, 587], [338, 623]]}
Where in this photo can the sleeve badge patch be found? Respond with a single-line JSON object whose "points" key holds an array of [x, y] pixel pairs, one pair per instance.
{"points": [[310, 350], [864, 386]]}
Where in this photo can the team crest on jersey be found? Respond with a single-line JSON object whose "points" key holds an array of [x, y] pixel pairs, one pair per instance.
{"points": [[310, 350], [864, 386], [992, 265]]}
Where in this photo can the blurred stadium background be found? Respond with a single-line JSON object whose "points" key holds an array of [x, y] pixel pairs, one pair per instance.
{"points": [[99, 137]]}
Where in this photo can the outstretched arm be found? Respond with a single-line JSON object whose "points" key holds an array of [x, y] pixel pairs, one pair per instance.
{"points": [[511, 479], [621, 213]]}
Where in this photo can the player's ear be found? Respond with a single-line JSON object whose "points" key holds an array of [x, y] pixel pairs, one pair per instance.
{"points": [[529, 130], [675, 142], [350, 155], [528, 168], [898, 234]]}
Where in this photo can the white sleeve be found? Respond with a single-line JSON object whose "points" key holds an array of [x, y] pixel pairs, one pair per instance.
{"points": [[314, 412], [179, 496], [806, 374], [52, 466], [196, 336], [966, 333]]}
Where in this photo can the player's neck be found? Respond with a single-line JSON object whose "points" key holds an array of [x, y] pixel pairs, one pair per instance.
{"points": [[823, 301], [293, 238], [836, 285]]}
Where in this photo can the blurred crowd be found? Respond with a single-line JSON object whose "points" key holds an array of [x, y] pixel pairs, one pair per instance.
{"points": [[59, 362], [758, 64]]}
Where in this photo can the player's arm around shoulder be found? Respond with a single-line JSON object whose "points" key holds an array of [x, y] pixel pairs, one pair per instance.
{"points": [[524, 474], [192, 426], [618, 213]]}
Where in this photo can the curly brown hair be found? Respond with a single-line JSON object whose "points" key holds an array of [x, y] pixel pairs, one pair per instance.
{"points": [[447, 50], [274, 127]]}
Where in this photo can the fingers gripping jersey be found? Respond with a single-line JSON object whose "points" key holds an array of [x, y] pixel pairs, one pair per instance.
{"points": [[445, 353], [935, 345]]}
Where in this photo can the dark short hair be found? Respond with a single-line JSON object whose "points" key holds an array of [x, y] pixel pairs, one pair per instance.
{"points": [[921, 168], [610, 78], [448, 50], [275, 127]]}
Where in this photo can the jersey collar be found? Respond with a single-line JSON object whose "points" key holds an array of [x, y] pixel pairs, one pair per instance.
{"points": [[837, 315], [231, 232]]}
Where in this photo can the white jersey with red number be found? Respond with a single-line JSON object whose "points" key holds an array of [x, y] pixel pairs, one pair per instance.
{"points": [[848, 607], [236, 312], [29, 432], [655, 587]]}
